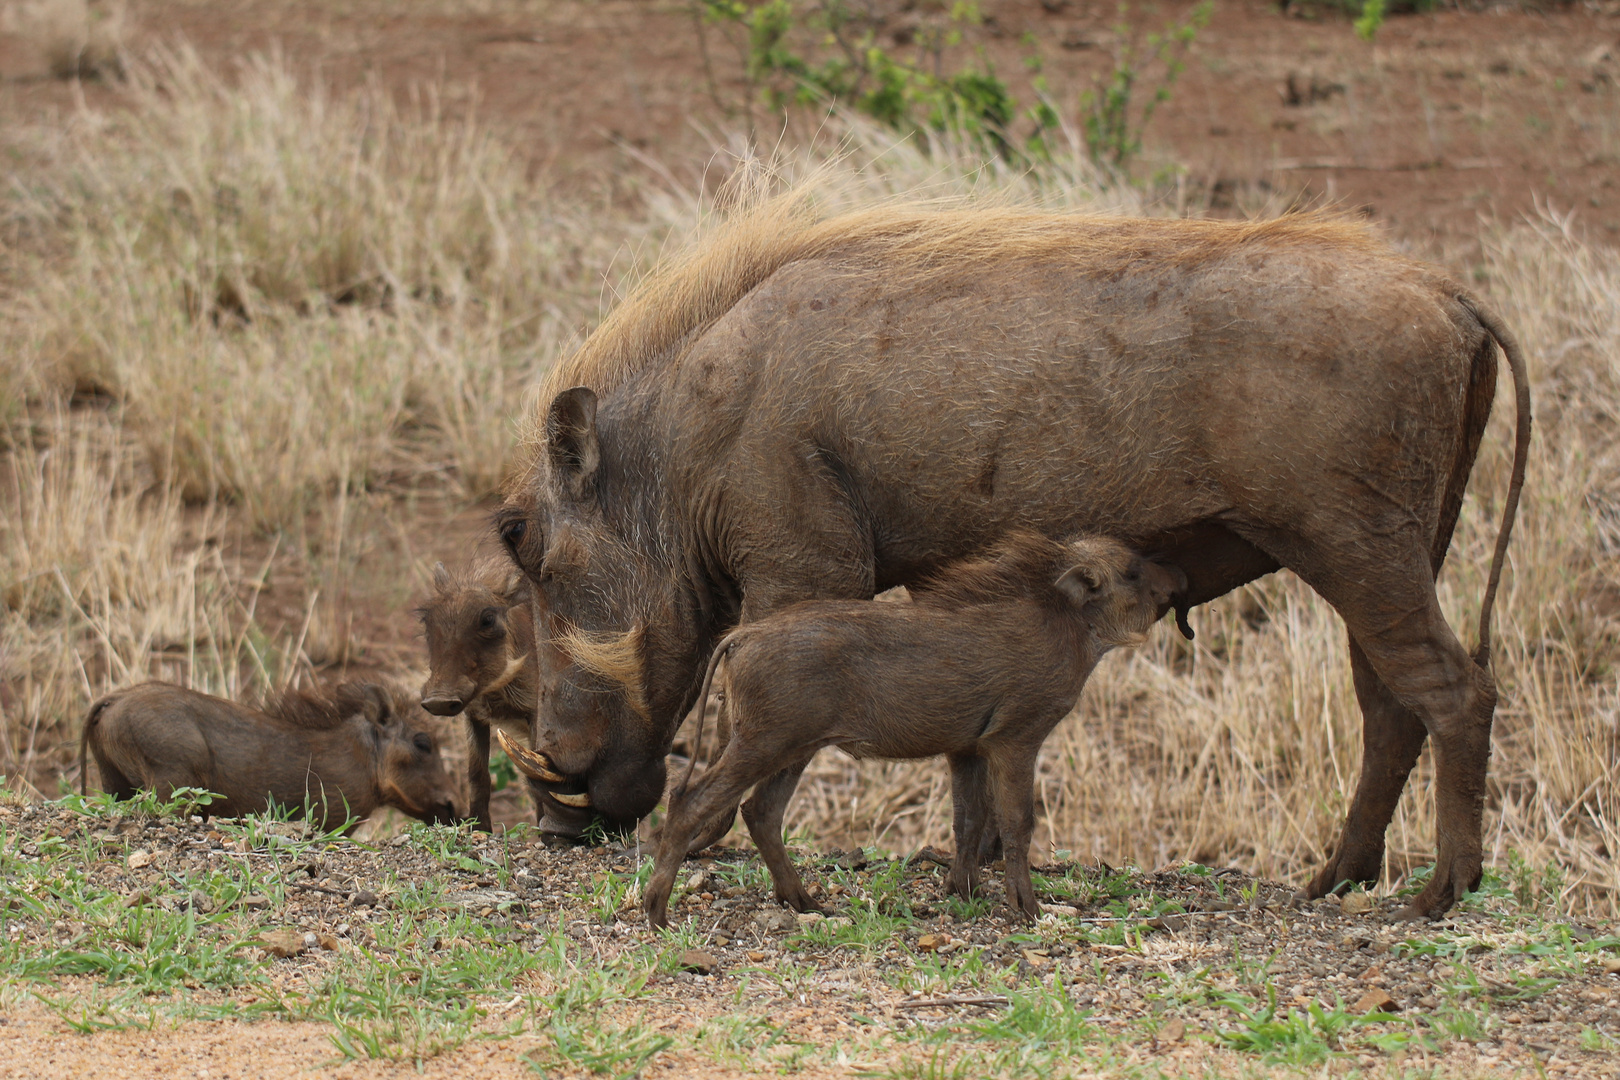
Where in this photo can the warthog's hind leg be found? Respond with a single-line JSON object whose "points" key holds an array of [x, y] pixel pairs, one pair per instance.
{"points": [[1393, 615], [716, 793], [763, 815], [1391, 737]]}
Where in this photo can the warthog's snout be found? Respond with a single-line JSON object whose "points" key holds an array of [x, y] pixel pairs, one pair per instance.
{"points": [[444, 704], [446, 814]]}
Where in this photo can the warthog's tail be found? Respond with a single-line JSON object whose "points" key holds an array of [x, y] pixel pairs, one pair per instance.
{"points": [[720, 652], [1521, 451], [91, 719]]}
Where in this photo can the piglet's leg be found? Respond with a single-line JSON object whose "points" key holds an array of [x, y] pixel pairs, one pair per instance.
{"points": [[970, 798], [717, 792], [763, 815], [478, 783], [1012, 793]]}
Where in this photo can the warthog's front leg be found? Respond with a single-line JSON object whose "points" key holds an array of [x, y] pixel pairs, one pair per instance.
{"points": [[478, 784], [1012, 796], [970, 813]]}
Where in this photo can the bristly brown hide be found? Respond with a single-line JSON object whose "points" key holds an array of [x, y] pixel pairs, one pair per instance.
{"points": [[681, 297]]}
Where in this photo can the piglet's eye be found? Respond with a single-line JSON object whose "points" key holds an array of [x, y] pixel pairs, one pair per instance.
{"points": [[487, 618], [422, 743]]}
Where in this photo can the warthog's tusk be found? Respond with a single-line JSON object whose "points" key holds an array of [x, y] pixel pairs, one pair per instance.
{"points": [[582, 800], [529, 762]]}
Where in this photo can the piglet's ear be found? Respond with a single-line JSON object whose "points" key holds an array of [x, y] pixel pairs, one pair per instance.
{"points": [[366, 698], [571, 442], [441, 576], [1080, 583]]}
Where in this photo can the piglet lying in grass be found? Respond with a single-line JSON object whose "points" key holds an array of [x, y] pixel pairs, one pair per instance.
{"points": [[980, 667], [342, 753]]}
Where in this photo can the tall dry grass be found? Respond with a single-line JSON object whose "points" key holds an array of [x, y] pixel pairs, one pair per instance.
{"points": [[280, 301]]}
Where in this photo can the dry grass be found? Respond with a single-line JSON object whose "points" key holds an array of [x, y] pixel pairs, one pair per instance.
{"points": [[285, 307], [75, 38]]}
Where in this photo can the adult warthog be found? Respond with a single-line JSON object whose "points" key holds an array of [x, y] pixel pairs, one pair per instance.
{"points": [[802, 409]]}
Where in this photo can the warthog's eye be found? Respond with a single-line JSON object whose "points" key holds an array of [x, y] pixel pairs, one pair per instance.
{"points": [[513, 531], [422, 742], [488, 618]]}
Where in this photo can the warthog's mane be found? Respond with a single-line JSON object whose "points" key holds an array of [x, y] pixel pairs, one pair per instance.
{"points": [[690, 291], [1022, 565], [324, 708]]}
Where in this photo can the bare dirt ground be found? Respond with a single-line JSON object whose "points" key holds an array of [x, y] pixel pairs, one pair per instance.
{"points": [[501, 955], [1446, 119], [463, 959]]}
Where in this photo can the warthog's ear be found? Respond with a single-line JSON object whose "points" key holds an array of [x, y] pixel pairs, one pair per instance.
{"points": [[1081, 583], [366, 698], [571, 439], [441, 577]]}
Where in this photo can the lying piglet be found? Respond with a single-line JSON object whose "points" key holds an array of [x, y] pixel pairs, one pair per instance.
{"points": [[343, 753], [480, 638], [980, 667]]}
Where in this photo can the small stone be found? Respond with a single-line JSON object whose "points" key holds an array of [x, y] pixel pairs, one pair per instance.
{"points": [[1060, 909], [342, 930], [695, 882], [364, 898], [138, 859], [755, 956], [282, 943], [312, 940], [201, 902], [325, 941], [931, 942], [1611, 966], [1172, 1032], [810, 918], [699, 962], [1035, 957], [255, 901], [1374, 1001], [1356, 903]]}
